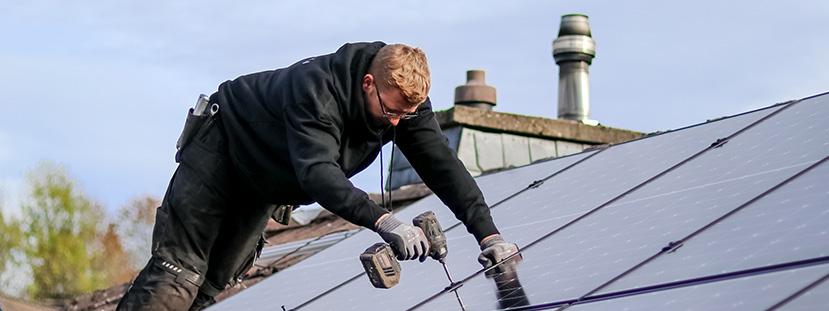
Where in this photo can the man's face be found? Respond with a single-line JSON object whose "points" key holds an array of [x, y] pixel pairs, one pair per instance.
{"points": [[388, 106]]}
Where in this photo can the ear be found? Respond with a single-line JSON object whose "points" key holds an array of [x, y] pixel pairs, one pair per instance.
{"points": [[368, 81]]}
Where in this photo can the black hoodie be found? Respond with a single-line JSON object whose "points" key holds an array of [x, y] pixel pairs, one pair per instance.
{"points": [[298, 133]]}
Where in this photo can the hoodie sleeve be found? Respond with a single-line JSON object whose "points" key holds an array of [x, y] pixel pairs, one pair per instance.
{"points": [[424, 145], [313, 139]]}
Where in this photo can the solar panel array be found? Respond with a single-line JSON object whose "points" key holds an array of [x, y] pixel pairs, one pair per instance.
{"points": [[728, 214]]}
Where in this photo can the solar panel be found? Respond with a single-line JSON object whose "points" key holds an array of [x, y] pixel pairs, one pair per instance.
{"points": [[499, 186], [339, 263], [756, 292], [533, 213], [616, 238], [601, 246], [640, 224], [789, 224]]}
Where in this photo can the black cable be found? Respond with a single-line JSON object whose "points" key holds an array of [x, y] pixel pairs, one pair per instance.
{"points": [[391, 164], [382, 184], [382, 192]]}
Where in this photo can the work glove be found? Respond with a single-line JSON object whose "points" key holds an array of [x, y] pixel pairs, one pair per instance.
{"points": [[494, 250], [508, 268], [407, 241]]}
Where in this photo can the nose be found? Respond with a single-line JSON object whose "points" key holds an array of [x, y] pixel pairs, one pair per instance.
{"points": [[394, 121]]}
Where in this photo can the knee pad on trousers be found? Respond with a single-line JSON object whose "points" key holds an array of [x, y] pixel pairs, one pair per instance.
{"points": [[181, 274], [162, 285]]}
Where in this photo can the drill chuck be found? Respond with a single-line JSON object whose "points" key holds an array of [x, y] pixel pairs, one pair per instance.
{"points": [[428, 222]]}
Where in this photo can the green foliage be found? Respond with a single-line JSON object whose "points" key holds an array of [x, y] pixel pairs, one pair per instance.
{"points": [[64, 239], [62, 227], [10, 235]]}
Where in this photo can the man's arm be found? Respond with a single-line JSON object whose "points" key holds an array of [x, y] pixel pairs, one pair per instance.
{"points": [[313, 139], [421, 140]]}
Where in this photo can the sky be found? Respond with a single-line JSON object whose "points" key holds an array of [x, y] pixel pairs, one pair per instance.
{"points": [[102, 87]]}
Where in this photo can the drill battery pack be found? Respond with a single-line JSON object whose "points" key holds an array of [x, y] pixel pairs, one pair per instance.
{"points": [[381, 266]]}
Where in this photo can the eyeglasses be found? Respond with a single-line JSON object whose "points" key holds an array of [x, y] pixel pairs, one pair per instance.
{"points": [[392, 115]]}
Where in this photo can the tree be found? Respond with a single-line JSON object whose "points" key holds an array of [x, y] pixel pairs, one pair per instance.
{"points": [[115, 262], [9, 242], [62, 227], [135, 225]]}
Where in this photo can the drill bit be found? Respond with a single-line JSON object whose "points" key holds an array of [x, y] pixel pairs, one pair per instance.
{"points": [[449, 276]]}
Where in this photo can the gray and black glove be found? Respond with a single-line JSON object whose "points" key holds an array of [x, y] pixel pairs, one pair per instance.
{"points": [[494, 250], [407, 241]]}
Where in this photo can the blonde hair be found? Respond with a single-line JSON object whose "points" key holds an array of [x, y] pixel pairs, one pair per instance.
{"points": [[405, 68]]}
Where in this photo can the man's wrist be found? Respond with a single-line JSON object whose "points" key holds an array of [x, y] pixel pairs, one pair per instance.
{"points": [[481, 229], [490, 239], [379, 220]]}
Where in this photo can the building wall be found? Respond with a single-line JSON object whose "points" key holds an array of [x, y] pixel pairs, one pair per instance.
{"points": [[482, 151]]}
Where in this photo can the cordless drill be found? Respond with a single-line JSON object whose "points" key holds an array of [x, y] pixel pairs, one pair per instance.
{"points": [[381, 265]]}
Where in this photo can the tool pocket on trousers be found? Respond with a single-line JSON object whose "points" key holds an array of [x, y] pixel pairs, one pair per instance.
{"points": [[207, 156], [210, 137]]}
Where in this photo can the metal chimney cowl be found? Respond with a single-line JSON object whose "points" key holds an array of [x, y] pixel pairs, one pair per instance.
{"points": [[475, 93], [573, 51]]}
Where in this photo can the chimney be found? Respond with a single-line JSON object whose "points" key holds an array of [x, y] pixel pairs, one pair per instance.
{"points": [[573, 52], [475, 93]]}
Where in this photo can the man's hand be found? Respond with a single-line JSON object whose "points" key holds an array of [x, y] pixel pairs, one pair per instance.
{"points": [[494, 250], [407, 241]]}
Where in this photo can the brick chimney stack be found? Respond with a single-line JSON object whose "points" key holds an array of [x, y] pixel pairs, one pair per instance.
{"points": [[475, 93]]}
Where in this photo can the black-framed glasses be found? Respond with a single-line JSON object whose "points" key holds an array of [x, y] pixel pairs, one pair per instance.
{"points": [[392, 115]]}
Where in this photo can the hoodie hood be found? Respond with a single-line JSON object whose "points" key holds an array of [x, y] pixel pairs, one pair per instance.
{"points": [[256, 109], [350, 63]]}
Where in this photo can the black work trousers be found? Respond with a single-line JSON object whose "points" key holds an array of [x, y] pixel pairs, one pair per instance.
{"points": [[207, 230]]}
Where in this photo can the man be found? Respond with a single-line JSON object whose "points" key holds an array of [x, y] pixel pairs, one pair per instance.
{"points": [[294, 136]]}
